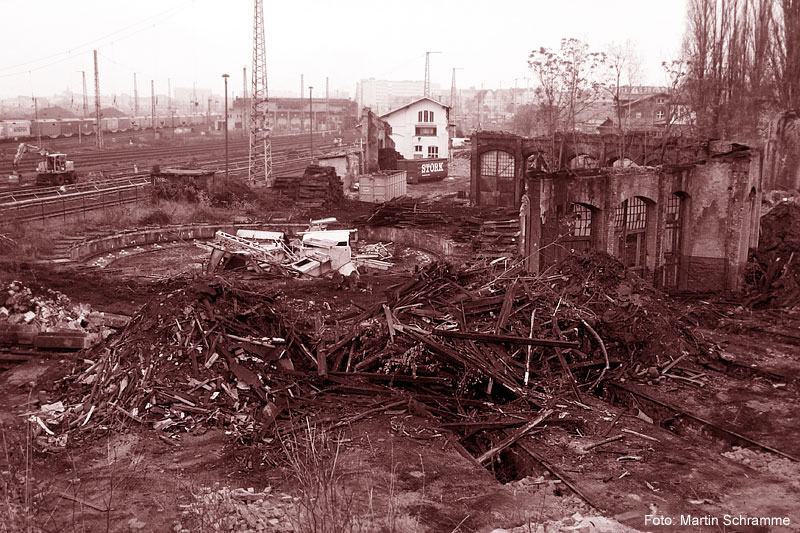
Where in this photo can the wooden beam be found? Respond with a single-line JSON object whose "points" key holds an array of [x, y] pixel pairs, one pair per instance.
{"points": [[501, 339]]}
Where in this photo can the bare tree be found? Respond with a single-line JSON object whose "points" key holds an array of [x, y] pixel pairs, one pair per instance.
{"points": [[569, 80], [625, 67], [786, 56]]}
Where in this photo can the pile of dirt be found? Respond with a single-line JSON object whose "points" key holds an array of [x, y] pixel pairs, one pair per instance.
{"points": [[773, 275]]}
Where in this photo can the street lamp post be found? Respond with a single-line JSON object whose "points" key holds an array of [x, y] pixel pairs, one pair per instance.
{"points": [[311, 121], [225, 76]]}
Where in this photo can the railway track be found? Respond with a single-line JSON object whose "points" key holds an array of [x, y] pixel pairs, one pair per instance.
{"points": [[62, 204], [283, 147]]}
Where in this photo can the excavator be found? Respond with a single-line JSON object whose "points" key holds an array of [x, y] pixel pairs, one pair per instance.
{"points": [[55, 169]]}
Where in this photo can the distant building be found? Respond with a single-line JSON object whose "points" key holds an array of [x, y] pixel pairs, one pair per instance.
{"points": [[289, 115], [384, 95], [419, 129]]}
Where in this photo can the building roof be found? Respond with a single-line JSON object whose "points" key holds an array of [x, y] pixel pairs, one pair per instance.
{"points": [[414, 102]]}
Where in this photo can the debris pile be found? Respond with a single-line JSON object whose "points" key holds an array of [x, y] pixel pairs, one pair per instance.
{"points": [[205, 355], [319, 187], [774, 275], [405, 212], [49, 311], [227, 354]]}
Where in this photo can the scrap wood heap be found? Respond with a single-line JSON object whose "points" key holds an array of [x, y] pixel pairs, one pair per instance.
{"points": [[318, 187], [207, 354], [224, 354], [404, 212], [774, 274], [488, 325]]}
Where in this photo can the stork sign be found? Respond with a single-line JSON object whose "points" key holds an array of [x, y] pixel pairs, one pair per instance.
{"points": [[423, 169]]}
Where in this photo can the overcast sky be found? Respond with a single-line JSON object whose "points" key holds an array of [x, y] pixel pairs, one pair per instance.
{"points": [[46, 43]]}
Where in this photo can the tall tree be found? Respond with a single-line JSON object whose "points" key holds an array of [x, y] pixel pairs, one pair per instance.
{"points": [[625, 67], [569, 80]]}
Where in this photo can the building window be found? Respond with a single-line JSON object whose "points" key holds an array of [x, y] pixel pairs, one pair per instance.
{"points": [[419, 116], [582, 217], [661, 100], [638, 114], [425, 116], [425, 131], [418, 148], [431, 120], [433, 151], [660, 115]]}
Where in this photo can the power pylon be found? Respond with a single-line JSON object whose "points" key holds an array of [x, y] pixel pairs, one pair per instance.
{"points": [[260, 169]]}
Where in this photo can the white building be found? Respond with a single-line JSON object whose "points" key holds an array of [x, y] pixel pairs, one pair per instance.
{"points": [[419, 129]]}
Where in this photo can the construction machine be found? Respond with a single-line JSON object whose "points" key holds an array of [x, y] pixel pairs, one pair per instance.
{"points": [[54, 169]]}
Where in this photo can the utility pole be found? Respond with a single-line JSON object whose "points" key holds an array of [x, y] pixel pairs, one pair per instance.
{"points": [[311, 121], [85, 96], [153, 106], [260, 168], [135, 97], [427, 89], [36, 121], [225, 77], [452, 119], [302, 87], [327, 104], [97, 103], [169, 103], [244, 100]]}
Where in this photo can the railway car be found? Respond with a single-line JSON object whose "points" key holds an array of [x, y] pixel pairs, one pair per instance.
{"points": [[137, 123], [88, 126], [70, 127], [124, 123], [184, 120], [110, 124], [46, 128], [146, 122], [161, 122], [197, 120]]}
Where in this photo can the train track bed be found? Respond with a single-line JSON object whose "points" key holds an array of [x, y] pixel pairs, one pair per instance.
{"points": [[650, 471]]}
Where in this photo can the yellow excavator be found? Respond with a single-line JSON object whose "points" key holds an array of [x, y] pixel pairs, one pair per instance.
{"points": [[54, 169]]}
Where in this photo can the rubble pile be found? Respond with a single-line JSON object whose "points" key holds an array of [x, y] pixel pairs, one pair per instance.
{"points": [[319, 187], [774, 274], [223, 353], [47, 310], [209, 354]]}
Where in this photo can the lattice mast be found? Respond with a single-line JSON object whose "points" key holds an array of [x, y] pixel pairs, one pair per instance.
{"points": [[427, 89], [260, 169]]}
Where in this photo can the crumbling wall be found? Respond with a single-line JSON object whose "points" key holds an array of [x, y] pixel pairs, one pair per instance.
{"points": [[782, 154], [376, 134], [718, 214]]}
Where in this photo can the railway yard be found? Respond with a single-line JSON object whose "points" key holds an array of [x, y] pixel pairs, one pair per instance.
{"points": [[441, 388]]}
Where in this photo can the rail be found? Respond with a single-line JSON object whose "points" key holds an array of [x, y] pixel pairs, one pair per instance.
{"points": [[57, 203]]}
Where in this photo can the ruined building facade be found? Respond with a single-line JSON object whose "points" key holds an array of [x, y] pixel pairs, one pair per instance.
{"points": [[686, 227]]}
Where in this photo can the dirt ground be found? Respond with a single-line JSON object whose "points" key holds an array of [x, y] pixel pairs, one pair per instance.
{"points": [[352, 464]]}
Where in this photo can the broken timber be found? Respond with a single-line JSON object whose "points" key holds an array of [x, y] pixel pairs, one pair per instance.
{"points": [[501, 339]]}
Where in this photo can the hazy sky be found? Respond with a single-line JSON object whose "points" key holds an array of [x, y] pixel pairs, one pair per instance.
{"points": [[46, 43]]}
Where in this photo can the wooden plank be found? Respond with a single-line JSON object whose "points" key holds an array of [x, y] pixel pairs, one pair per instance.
{"points": [[511, 339]]}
